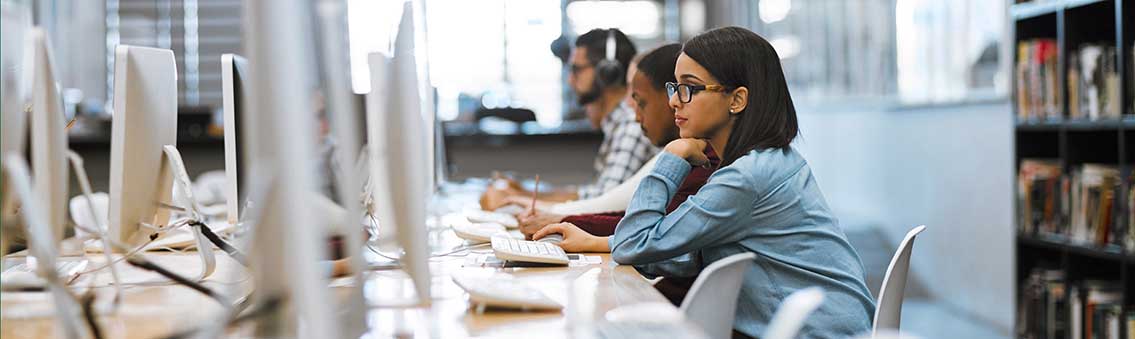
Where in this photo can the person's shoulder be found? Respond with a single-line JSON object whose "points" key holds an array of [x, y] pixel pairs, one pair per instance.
{"points": [[773, 164]]}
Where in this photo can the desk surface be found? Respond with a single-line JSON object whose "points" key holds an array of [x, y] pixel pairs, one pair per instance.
{"points": [[587, 292], [151, 306]]}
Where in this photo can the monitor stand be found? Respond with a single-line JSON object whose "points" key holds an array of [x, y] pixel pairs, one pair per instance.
{"points": [[175, 166]]}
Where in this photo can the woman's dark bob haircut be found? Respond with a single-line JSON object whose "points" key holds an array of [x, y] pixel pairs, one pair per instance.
{"points": [[737, 57]]}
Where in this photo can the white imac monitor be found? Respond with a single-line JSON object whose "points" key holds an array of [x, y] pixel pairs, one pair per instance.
{"points": [[287, 241], [48, 138], [234, 70], [145, 120], [15, 85], [399, 168], [15, 74]]}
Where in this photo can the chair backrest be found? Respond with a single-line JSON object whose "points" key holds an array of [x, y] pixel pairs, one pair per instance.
{"points": [[790, 316], [888, 308], [712, 301]]}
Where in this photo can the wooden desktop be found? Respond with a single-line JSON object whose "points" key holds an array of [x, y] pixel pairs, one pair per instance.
{"points": [[160, 309]]}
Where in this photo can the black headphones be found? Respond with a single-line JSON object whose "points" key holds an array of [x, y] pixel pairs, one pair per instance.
{"points": [[608, 71]]}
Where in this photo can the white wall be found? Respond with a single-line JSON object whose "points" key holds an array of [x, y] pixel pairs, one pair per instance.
{"points": [[949, 168]]}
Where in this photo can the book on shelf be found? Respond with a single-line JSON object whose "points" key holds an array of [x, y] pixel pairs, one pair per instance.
{"points": [[1093, 209], [1040, 187], [1103, 307], [1129, 239], [1130, 324], [1038, 94], [1093, 82], [1043, 305], [1081, 207]]}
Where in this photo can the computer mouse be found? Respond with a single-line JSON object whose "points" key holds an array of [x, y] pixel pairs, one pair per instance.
{"points": [[652, 312], [554, 238], [17, 280]]}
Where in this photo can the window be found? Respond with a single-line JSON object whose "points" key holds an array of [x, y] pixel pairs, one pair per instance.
{"points": [[496, 51], [912, 51], [198, 32]]}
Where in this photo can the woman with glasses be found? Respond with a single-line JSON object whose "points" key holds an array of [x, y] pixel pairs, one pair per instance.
{"points": [[731, 95]]}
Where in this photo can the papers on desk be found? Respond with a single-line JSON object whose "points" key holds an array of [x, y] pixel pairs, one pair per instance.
{"points": [[490, 260]]}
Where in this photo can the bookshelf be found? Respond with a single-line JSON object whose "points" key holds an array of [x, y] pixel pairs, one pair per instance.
{"points": [[1066, 27]]}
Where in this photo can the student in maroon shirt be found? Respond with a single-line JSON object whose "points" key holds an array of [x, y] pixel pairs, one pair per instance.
{"points": [[653, 112]]}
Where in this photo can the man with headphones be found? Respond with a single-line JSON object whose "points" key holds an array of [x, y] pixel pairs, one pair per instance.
{"points": [[598, 77]]}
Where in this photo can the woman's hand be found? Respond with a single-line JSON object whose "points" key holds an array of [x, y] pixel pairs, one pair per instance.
{"points": [[532, 223], [499, 193], [526, 202], [493, 199], [692, 150], [576, 240]]}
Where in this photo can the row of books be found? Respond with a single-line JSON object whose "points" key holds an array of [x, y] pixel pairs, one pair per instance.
{"points": [[1050, 307], [1093, 83], [1038, 92], [1081, 206]]}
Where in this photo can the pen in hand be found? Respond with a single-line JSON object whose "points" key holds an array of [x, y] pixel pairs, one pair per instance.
{"points": [[535, 193]]}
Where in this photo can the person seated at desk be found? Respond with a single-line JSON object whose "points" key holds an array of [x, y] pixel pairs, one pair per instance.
{"points": [[624, 148], [731, 95], [648, 80], [648, 77]]}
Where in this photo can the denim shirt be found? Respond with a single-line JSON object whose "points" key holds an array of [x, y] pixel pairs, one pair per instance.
{"points": [[768, 203]]}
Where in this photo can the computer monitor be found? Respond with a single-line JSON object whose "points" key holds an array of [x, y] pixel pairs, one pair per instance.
{"points": [[418, 52], [343, 110], [397, 146], [145, 120], [15, 89], [233, 74], [287, 244], [48, 138], [15, 75]]}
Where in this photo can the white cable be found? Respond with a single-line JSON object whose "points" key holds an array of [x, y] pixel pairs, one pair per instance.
{"points": [[85, 186]]}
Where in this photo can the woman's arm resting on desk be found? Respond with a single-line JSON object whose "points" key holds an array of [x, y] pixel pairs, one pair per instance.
{"points": [[648, 235], [525, 201], [502, 192]]}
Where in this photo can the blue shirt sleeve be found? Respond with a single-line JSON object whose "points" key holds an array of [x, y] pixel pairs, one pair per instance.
{"points": [[713, 216]]}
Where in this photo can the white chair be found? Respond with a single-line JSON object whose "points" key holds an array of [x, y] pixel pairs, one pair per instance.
{"points": [[712, 300], [888, 308], [790, 316]]}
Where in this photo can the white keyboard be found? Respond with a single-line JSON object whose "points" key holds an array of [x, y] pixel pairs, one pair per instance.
{"points": [[479, 216], [478, 233], [528, 251], [501, 292]]}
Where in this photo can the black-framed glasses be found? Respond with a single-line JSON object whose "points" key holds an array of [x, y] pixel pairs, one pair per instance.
{"points": [[686, 91]]}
